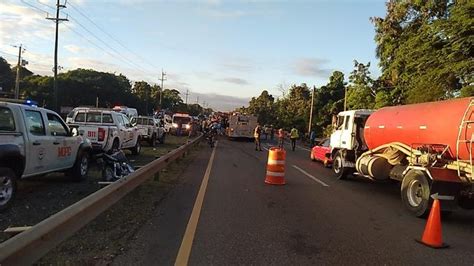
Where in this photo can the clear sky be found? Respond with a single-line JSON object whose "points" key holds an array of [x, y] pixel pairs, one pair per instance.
{"points": [[222, 51]]}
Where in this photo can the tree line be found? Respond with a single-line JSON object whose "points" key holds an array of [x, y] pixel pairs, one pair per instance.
{"points": [[426, 53], [86, 87]]}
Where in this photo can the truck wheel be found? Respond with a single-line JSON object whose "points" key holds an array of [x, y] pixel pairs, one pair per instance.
{"points": [[7, 187], [81, 167], [136, 150], [115, 146], [415, 192], [338, 167], [162, 139], [153, 140]]}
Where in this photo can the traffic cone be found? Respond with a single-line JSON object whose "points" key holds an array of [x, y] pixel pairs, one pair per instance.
{"points": [[276, 166], [432, 236]]}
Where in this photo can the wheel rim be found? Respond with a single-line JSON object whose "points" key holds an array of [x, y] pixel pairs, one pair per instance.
{"points": [[337, 164], [6, 189], [84, 166], [415, 193]]}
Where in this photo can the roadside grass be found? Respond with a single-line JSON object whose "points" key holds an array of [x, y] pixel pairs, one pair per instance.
{"points": [[110, 233]]}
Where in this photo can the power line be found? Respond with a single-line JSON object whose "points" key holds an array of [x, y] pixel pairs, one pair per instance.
{"points": [[108, 46], [46, 5], [109, 35], [34, 7]]}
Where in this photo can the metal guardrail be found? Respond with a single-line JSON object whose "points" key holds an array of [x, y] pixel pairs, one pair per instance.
{"points": [[29, 246]]}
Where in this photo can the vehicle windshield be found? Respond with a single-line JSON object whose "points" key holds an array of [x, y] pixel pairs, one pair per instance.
{"points": [[181, 120]]}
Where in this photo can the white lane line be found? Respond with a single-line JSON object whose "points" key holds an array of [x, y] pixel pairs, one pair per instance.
{"points": [[310, 176], [303, 148], [188, 238]]}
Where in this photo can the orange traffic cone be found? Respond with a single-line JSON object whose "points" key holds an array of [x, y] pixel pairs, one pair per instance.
{"points": [[276, 166], [432, 236]]}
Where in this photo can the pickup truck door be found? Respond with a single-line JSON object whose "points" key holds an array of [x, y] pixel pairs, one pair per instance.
{"points": [[39, 146], [122, 131], [65, 146], [130, 132]]}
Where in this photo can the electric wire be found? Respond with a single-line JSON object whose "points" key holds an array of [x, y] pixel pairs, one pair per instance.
{"points": [[109, 35]]}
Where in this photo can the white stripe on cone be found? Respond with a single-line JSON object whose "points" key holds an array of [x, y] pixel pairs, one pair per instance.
{"points": [[275, 173], [271, 161]]}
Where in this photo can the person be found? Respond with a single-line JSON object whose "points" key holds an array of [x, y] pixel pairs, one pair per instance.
{"points": [[312, 137], [294, 135], [272, 133], [256, 134], [281, 137]]}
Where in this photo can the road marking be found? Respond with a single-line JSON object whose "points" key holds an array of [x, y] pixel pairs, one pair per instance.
{"points": [[303, 148], [188, 238], [310, 176]]}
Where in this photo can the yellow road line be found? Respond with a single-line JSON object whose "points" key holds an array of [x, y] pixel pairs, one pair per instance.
{"points": [[187, 243]]}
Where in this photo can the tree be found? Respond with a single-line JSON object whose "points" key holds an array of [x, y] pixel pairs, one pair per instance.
{"points": [[171, 100], [426, 49], [293, 109], [143, 91], [7, 80], [262, 106], [361, 93]]}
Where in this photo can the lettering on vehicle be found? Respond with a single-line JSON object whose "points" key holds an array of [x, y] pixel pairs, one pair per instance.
{"points": [[64, 151], [91, 134]]}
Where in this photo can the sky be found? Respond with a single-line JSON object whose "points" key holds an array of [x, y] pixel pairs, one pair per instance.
{"points": [[221, 52]]}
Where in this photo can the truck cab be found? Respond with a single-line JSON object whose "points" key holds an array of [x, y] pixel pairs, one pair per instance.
{"points": [[349, 130]]}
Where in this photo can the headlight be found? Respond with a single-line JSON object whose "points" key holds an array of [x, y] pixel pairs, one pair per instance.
{"points": [[175, 125], [188, 126]]}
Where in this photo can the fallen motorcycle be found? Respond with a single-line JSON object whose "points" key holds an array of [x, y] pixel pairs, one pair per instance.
{"points": [[115, 166]]}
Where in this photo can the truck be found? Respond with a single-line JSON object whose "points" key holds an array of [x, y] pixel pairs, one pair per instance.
{"points": [[107, 130], [181, 124], [36, 141], [426, 147], [241, 126], [150, 129]]}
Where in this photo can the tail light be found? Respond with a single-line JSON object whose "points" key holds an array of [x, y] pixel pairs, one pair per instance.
{"points": [[101, 134]]}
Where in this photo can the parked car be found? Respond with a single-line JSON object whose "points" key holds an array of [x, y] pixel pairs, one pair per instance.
{"points": [[322, 152], [181, 124], [36, 141], [150, 129], [108, 130]]}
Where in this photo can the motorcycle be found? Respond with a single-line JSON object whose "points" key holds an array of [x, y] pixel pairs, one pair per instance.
{"points": [[115, 166], [211, 138]]}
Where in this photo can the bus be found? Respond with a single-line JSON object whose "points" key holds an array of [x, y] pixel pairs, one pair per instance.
{"points": [[241, 126]]}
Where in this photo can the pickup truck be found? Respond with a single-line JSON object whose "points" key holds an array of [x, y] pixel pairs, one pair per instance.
{"points": [[150, 129], [107, 130], [36, 141]]}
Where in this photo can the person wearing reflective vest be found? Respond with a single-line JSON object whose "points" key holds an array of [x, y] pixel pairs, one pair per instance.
{"points": [[294, 135]]}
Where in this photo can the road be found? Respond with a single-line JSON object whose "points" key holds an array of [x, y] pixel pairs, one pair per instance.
{"points": [[313, 219]]}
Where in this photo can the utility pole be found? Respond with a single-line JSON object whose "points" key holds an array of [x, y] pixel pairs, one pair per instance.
{"points": [[197, 100], [345, 97], [18, 67], [163, 78], [311, 111], [187, 94], [57, 19]]}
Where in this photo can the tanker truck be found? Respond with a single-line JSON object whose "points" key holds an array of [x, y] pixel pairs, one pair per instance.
{"points": [[427, 147]]}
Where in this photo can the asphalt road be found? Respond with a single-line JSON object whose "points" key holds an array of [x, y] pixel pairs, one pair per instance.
{"points": [[312, 219]]}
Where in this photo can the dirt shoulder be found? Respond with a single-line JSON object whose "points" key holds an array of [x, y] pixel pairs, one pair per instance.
{"points": [[40, 197], [110, 234]]}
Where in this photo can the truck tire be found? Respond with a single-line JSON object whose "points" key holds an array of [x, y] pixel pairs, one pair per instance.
{"points": [[338, 167], [115, 146], [7, 187], [136, 150], [153, 140], [415, 193], [81, 167]]}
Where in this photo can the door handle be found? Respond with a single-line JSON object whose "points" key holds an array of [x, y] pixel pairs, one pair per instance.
{"points": [[36, 143], [56, 143]]}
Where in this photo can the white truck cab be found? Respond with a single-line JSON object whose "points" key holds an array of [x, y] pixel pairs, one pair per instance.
{"points": [[344, 136]]}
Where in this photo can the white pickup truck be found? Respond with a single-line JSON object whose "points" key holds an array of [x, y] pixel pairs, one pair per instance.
{"points": [[36, 141], [107, 130], [151, 129]]}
